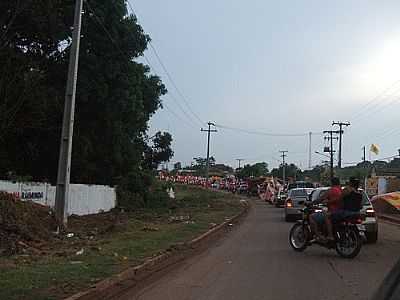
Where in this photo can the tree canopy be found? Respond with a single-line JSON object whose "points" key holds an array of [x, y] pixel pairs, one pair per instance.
{"points": [[255, 170], [116, 95]]}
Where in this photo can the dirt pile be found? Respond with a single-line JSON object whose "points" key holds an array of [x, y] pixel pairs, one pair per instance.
{"points": [[23, 225]]}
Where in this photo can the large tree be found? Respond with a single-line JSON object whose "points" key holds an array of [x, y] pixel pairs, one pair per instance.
{"points": [[116, 95]]}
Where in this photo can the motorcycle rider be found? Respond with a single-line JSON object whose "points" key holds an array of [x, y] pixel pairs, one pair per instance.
{"points": [[332, 198], [351, 201]]}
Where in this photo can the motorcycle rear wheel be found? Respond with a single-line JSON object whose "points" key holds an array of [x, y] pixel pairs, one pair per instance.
{"points": [[349, 244], [298, 237]]}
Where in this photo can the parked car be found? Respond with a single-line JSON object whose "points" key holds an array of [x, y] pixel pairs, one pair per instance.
{"points": [[280, 199], [294, 202], [367, 213]]}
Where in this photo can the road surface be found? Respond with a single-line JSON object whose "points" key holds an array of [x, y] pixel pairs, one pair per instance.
{"points": [[255, 262]]}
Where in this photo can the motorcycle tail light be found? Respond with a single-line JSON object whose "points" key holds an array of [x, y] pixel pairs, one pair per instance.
{"points": [[370, 212], [289, 203]]}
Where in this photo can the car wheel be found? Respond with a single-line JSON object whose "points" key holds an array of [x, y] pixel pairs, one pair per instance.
{"points": [[372, 237]]}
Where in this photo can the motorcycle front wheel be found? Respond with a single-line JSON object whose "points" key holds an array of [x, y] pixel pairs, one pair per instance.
{"points": [[348, 243], [298, 237]]}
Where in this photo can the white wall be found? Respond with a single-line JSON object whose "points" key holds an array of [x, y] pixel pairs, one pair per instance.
{"points": [[84, 199]]}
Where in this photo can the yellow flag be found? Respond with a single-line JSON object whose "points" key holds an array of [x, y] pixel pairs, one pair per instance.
{"points": [[374, 149]]}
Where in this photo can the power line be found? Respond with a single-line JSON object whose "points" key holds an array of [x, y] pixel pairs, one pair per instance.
{"points": [[169, 75], [177, 116], [265, 133], [174, 84], [374, 99], [99, 21]]}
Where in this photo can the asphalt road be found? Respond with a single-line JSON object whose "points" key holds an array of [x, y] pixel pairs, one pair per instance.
{"points": [[255, 261]]}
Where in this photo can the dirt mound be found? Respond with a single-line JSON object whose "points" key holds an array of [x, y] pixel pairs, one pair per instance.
{"points": [[23, 224]]}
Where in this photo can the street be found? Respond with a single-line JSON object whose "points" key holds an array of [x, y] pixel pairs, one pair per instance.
{"points": [[255, 262]]}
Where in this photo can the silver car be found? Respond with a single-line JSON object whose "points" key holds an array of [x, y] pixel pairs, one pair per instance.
{"points": [[294, 202], [370, 223]]}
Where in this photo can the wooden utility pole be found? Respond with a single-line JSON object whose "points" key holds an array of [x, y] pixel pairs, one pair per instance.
{"points": [[64, 163], [209, 130], [309, 150], [239, 161], [340, 124], [284, 165], [330, 138]]}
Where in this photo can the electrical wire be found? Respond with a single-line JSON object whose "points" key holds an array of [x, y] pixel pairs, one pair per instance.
{"points": [[169, 76], [99, 21], [265, 133], [373, 100], [172, 96]]}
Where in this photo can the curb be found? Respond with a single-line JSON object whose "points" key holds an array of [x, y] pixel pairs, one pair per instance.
{"points": [[112, 286], [388, 219]]}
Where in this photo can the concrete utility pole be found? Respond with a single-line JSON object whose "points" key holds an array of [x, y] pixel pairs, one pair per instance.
{"points": [[309, 150], [331, 151], [364, 154], [64, 163], [239, 161], [209, 130], [340, 124], [284, 165]]}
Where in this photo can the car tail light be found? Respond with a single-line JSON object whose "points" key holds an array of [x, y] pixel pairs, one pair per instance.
{"points": [[370, 212], [289, 203]]}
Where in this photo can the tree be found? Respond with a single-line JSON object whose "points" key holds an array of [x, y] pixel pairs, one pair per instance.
{"points": [[255, 170], [291, 171], [160, 151], [116, 95]]}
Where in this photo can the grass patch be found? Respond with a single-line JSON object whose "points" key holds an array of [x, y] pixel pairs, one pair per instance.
{"points": [[59, 272]]}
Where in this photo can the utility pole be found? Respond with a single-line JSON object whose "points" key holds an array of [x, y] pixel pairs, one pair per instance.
{"points": [[309, 150], [340, 124], [209, 130], [64, 163], [284, 165], [364, 166], [239, 161], [364, 154], [330, 137]]}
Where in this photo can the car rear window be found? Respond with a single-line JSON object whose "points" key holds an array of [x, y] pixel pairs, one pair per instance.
{"points": [[300, 185], [298, 193]]}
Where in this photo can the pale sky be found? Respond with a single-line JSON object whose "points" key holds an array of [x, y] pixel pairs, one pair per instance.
{"points": [[279, 67]]}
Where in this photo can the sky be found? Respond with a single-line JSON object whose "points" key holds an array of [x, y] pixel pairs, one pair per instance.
{"points": [[281, 67]]}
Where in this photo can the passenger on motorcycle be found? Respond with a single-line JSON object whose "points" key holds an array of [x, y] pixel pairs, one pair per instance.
{"points": [[333, 200], [351, 201]]}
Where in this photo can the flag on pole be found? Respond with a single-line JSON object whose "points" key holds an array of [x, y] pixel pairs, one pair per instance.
{"points": [[374, 149]]}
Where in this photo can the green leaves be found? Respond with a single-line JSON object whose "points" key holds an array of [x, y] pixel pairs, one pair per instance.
{"points": [[116, 96]]}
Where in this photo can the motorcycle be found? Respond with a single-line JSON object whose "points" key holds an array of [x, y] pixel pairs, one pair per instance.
{"points": [[347, 234]]}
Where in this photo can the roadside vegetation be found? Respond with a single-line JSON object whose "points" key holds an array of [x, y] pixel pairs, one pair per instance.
{"points": [[98, 246]]}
